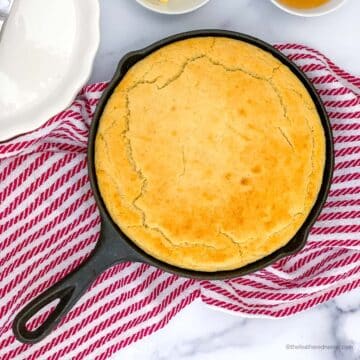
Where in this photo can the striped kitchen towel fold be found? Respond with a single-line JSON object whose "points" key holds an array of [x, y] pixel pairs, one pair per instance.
{"points": [[49, 223]]}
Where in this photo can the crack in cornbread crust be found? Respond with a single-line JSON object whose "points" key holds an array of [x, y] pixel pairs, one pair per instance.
{"points": [[124, 182]]}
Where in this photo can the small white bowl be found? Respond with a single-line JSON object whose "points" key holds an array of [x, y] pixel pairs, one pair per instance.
{"points": [[327, 8], [173, 7]]}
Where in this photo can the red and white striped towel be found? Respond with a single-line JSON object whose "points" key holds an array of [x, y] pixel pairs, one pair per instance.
{"points": [[49, 223]]}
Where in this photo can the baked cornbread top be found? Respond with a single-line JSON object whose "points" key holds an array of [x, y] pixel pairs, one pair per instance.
{"points": [[209, 154]]}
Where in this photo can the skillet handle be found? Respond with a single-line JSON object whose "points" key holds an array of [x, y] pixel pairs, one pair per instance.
{"points": [[69, 289]]}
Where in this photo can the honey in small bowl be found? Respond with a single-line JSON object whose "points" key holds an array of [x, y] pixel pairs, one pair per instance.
{"points": [[303, 4]]}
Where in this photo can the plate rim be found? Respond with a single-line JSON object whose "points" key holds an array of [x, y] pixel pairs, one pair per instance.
{"points": [[308, 13]]}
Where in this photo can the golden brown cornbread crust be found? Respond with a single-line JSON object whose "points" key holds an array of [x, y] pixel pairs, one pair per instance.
{"points": [[209, 154]]}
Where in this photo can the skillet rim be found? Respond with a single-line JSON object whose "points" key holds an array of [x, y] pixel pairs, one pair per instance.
{"points": [[299, 239]]}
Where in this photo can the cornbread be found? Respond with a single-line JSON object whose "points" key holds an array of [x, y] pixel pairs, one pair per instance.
{"points": [[209, 154]]}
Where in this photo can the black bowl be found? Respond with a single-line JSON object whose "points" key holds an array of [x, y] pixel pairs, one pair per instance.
{"points": [[114, 246]]}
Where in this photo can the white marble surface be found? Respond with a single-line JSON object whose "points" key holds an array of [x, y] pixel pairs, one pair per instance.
{"points": [[198, 332], [201, 333], [127, 26]]}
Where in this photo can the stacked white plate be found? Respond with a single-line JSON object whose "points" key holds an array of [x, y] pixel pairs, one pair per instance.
{"points": [[46, 55]]}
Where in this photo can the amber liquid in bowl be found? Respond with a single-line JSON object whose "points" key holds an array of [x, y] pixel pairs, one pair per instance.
{"points": [[303, 4]]}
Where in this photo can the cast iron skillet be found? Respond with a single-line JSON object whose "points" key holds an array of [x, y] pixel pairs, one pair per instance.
{"points": [[114, 247]]}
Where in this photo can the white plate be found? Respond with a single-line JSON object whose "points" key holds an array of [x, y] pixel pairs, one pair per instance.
{"points": [[173, 7], [46, 56]]}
